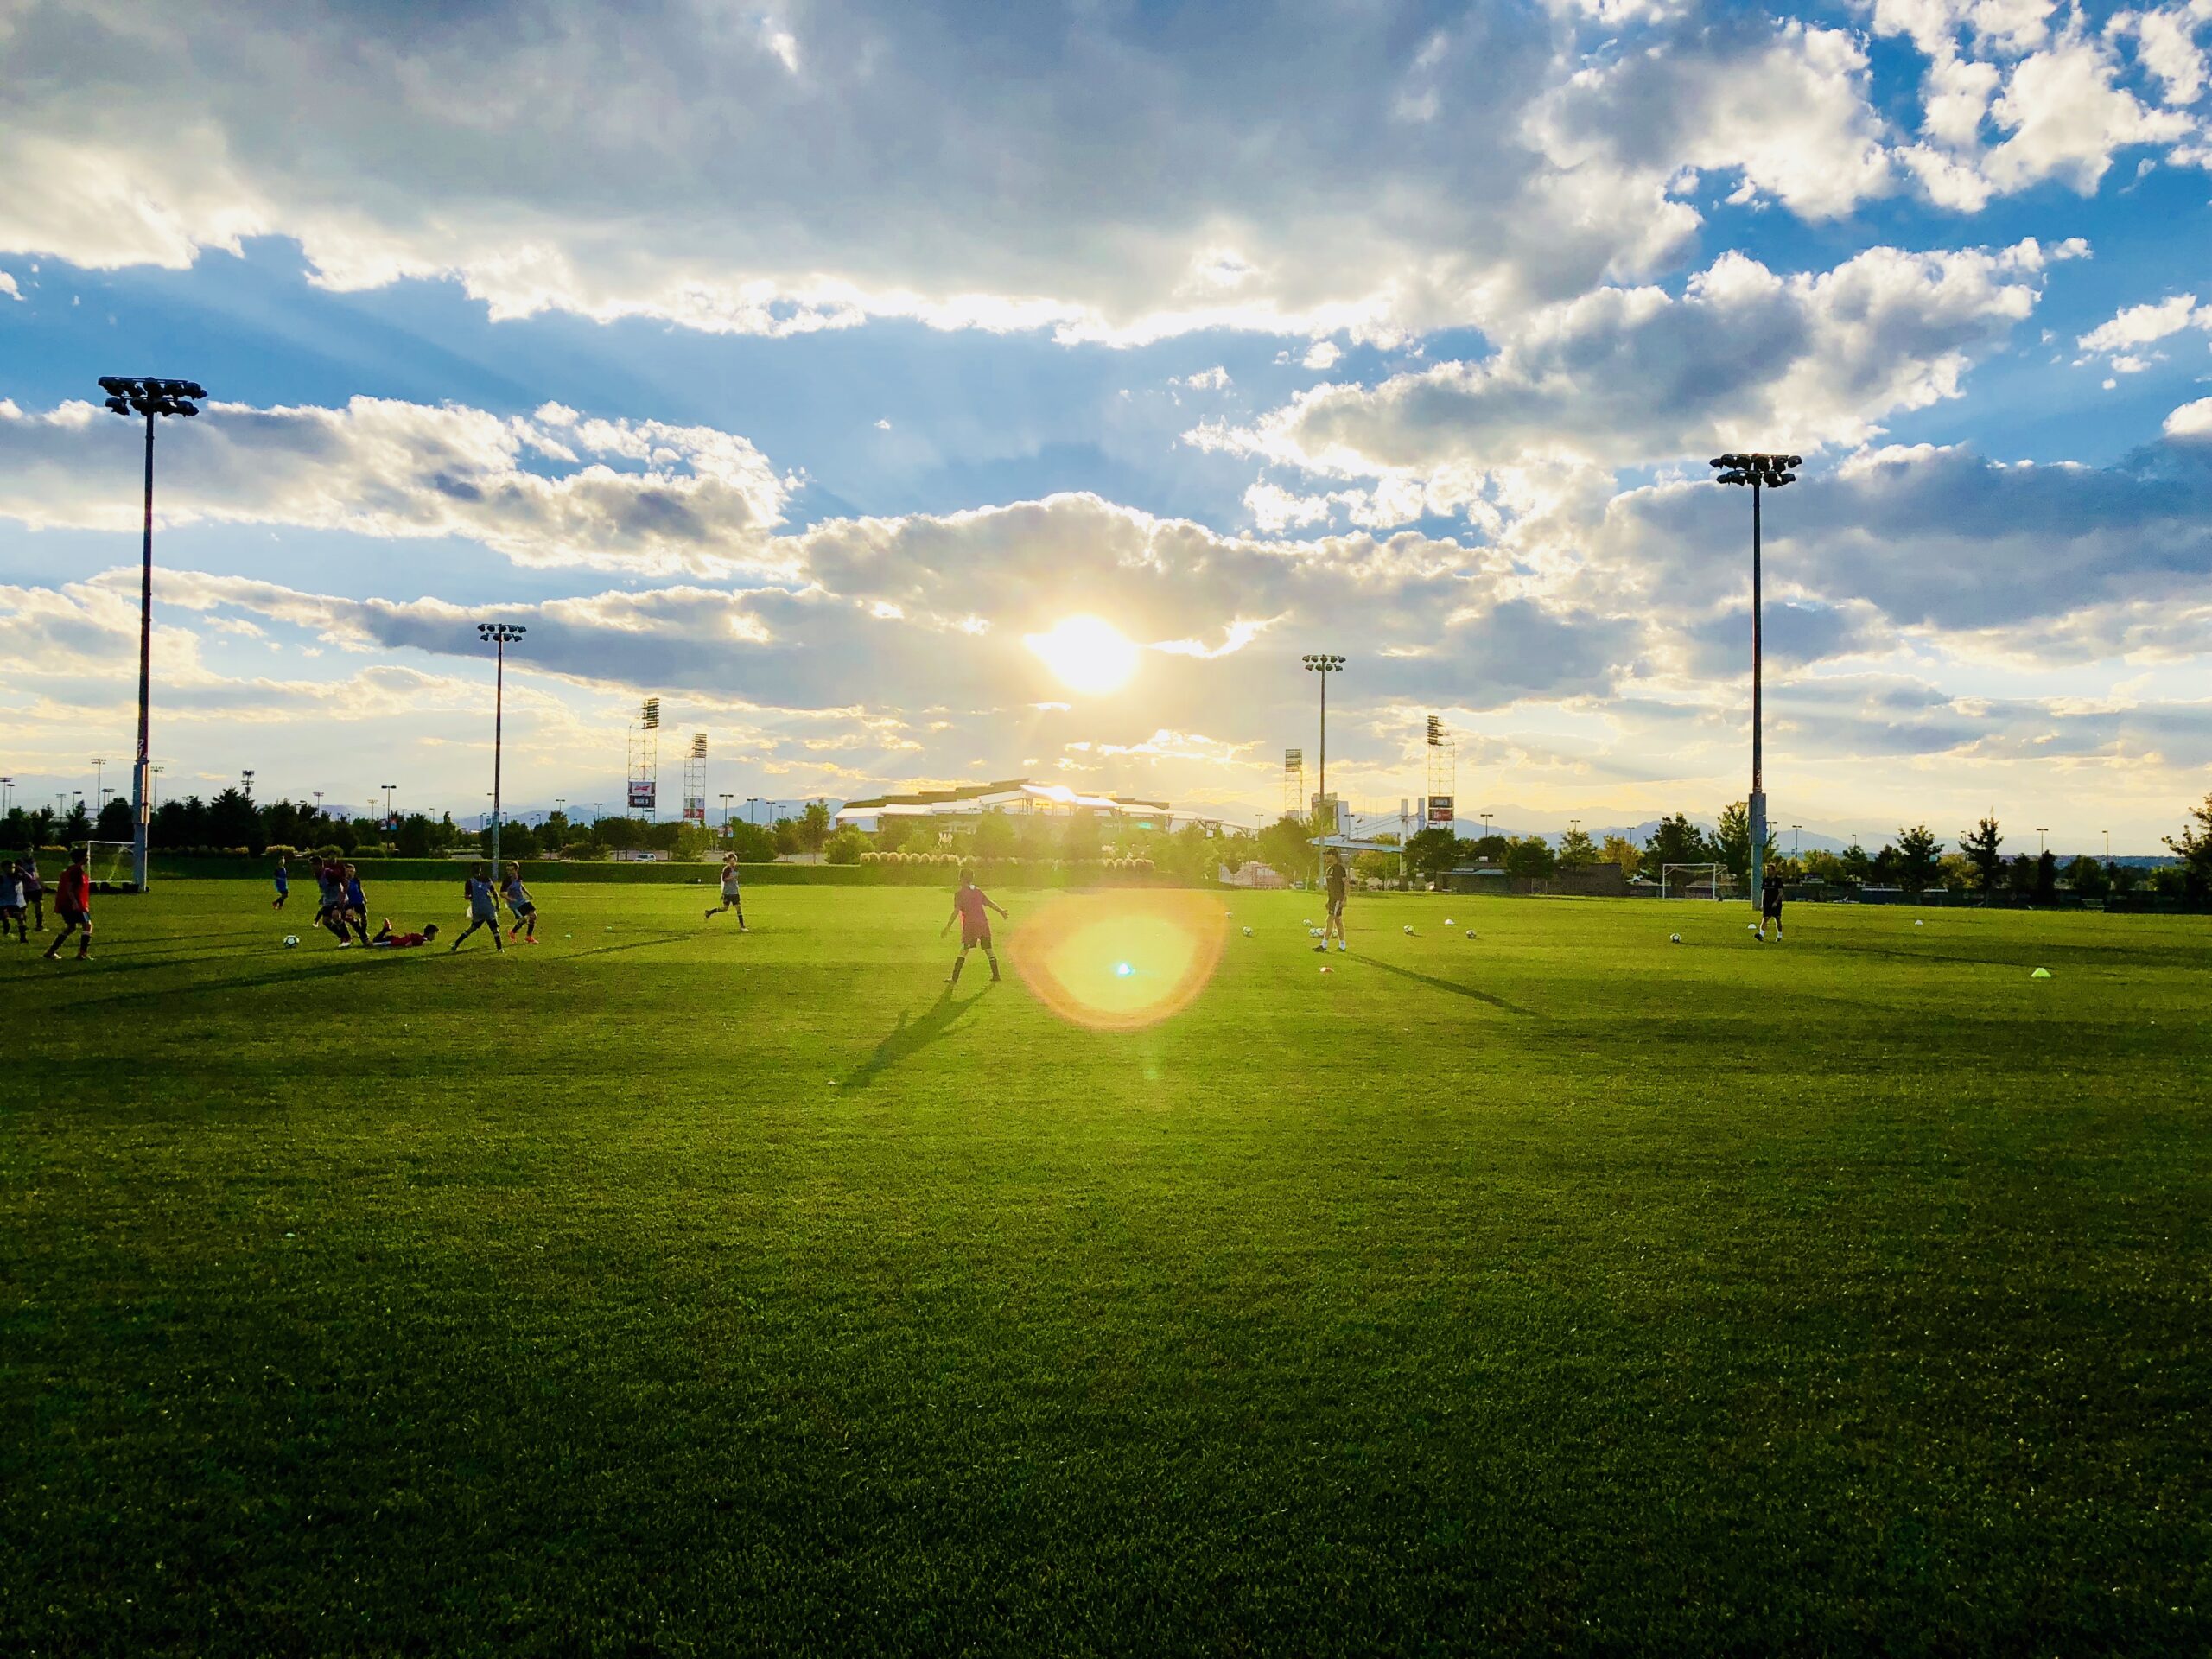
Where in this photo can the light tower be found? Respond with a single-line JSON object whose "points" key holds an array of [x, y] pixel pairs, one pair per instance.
{"points": [[138, 398], [1761, 473], [1293, 783], [695, 781], [498, 636], [1324, 664], [1443, 774], [645, 759]]}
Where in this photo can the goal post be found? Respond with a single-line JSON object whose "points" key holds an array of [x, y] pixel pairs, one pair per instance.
{"points": [[1683, 880], [110, 866]]}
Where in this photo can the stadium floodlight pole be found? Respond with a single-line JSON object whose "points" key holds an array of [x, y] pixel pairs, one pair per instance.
{"points": [[727, 796], [99, 784], [2043, 844], [501, 635], [1761, 472], [246, 779], [139, 397], [7, 795], [1324, 664]]}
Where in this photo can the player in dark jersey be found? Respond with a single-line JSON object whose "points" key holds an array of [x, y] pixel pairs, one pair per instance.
{"points": [[483, 909], [34, 891], [524, 906], [1338, 884], [1771, 909], [283, 883], [971, 908], [388, 940], [733, 895]]}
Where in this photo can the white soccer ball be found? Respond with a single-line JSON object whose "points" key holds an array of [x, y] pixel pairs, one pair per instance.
{"points": [[1248, 932], [291, 941], [1673, 938], [1409, 927], [1470, 932]]}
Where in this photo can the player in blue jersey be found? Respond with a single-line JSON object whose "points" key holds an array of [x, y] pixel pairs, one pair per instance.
{"points": [[483, 908], [524, 906], [283, 883], [356, 911]]}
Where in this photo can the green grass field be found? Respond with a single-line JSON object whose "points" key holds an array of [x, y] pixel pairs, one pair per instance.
{"points": [[659, 1290]]}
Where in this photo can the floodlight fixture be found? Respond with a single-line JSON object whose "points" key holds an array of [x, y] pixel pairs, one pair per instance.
{"points": [[498, 636], [1324, 662], [147, 398]]}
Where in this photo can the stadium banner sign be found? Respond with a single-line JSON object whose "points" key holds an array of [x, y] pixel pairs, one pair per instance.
{"points": [[641, 795], [694, 809], [1439, 808]]}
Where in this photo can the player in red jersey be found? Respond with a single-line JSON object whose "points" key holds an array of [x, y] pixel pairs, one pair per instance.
{"points": [[388, 940], [73, 903], [970, 908]]}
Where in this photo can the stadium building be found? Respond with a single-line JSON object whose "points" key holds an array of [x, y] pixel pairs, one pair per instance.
{"points": [[1013, 797]]}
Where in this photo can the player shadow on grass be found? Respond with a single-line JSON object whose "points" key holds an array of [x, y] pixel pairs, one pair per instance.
{"points": [[911, 1034], [1456, 990]]}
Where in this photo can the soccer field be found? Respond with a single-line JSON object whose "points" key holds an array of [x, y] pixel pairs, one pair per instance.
{"points": [[660, 1289]]}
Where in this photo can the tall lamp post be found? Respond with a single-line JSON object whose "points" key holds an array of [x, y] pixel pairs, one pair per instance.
{"points": [[501, 635], [138, 398], [727, 799], [1324, 664], [1761, 473]]}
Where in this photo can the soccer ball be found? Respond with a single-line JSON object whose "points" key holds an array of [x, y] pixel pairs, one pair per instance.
{"points": [[291, 941], [1470, 932], [1409, 927], [1673, 938], [1248, 932]]}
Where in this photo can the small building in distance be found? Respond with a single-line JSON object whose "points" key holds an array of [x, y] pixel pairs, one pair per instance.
{"points": [[1015, 797]]}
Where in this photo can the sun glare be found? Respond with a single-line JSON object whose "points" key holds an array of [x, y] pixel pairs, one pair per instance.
{"points": [[1087, 655]]}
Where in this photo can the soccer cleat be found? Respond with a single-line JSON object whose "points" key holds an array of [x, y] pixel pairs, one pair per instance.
{"points": [[1341, 945], [1320, 948]]}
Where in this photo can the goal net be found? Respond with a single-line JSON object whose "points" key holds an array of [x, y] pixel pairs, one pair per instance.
{"points": [[1693, 881], [107, 864]]}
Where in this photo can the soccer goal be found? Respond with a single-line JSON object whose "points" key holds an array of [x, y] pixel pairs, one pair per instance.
{"points": [[1690, 882], [107, 866]]}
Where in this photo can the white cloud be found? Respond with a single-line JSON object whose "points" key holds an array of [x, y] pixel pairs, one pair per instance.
{"points": [[8, 286], [1323, 354], [2121, 337], [2191, 420], [1213, 380]]}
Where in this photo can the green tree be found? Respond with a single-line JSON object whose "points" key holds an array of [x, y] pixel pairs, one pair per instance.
{"points": [[1577, 851], [2021, 876], [115, 821], [414, 837], [234, 821], [1676, 840], [1619, 849], [2125, 878], [1283, 848], [1531, 855], [784, 834], [2046, 877], [845, 847], [1980, 847], [814, 826], [1919, 858], [1488, 849], [2087, 877], [752, 844], [1731, 845], [1079, 834], [1431, 852], [2193, 844], [78, 826]]}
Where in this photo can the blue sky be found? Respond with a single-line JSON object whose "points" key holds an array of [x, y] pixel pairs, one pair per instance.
{"points": [[805, 364]]}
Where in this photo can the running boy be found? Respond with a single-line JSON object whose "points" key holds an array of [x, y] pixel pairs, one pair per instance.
{"points": [[969, 906], [524, 907], [33, 890], [73, 903], [1333, 874], [330, 897], [283, 883], [11, 900], [355, 904], [731, 900], [388, 940], [1771, 909], [483, 909]]}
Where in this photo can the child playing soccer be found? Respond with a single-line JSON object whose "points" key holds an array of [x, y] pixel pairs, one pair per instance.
{"points": [[969, 906], [73, 903], [483, 909], [354, 905], [283, 883], [33, 890], [388, 940], [11, 900], [524, 907], [731, 900], [1771, 910]]}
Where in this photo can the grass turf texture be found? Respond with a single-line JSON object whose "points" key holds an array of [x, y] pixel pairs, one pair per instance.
{"points": [[663, 1290]]}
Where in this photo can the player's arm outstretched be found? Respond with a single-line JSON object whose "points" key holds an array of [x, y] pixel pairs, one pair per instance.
{"points": [[995, 905], [951, 919]]}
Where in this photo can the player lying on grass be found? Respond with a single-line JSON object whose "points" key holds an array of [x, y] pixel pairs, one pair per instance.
{"points": [[969, 908], [483, 909], [388, 940], [731, 897], [73, 903], [524, 907]]}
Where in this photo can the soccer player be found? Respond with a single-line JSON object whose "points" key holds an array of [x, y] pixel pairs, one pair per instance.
{"points": [[33, 890], [483, 909], [283, 883], [330, 898], [969, 906], [524, 907], [355, 908], [1771, 909], [73, 903], [731, 899], [1333, 874], [11, 900], [388, 940]]}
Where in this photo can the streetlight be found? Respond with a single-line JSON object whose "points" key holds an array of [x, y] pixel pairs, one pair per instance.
{"points": [[1324, 664], [318, 802], [751, 801], [99, 784], [2107, 849], [154, 794], [500, 636], [1486, 817], [137, 397], [727, 799], [1794, 829], [246, 778], [1761, 473], [388, 788], [7, 795], [2043, 846]]}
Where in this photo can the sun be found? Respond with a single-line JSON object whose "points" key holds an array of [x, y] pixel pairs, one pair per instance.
{"points": [[1087, 655]]}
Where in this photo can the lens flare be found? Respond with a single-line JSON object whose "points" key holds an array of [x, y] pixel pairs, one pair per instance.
{"points": [[1118, 961]]}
